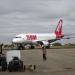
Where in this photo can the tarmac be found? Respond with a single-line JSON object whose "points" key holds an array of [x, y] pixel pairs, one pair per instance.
{"points": [[59, 62]]}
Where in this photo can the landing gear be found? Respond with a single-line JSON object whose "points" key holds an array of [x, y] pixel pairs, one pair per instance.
{"points": [[32, 47], [48, 46], [20, 47]]}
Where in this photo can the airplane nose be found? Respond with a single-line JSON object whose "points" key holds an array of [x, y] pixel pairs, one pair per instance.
{"points": [[17, 40], [14, 40]]}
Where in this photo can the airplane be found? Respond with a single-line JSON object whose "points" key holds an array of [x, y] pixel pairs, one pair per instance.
{"points": [[44, 39]]}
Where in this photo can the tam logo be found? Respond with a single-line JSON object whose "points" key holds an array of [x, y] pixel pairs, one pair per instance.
{"points": [[31, 37]]}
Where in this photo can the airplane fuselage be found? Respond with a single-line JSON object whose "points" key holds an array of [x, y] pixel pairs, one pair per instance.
{"points": [[43, 38], [33, 37]]}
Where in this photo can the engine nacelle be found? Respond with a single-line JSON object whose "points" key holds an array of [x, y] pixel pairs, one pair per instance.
{"points": [[45, 43]]}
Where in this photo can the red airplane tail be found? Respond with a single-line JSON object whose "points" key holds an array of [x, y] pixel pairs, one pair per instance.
{"points": [[58, 30]]}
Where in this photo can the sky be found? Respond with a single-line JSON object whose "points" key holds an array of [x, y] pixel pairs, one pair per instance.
{"points": [[37, 16]]}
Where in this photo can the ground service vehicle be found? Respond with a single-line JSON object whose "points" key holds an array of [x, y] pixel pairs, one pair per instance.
{"points": [[14, 61], [16, 65]]}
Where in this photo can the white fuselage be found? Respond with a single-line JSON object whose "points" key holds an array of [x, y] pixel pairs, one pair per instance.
{"points": [[43, 38], [34, 37]]}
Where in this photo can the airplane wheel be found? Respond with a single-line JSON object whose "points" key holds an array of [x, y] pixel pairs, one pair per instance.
{"points": [[32, 47], [48, 47], [20, 48]]}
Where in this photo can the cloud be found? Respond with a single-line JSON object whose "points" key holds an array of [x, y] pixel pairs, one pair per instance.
{"points": [[17, 16], [33, 6]]}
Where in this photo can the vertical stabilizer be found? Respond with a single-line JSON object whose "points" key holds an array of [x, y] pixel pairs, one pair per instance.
{"points": [[58, 30]]}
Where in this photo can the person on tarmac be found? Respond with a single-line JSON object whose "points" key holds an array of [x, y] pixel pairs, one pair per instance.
{"points": [[44, 52]]}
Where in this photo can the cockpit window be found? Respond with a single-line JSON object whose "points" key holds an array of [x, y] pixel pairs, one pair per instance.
{"points": [[18, 37]]}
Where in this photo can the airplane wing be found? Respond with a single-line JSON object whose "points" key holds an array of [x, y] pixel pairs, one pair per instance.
{"points": [[69, 36]]}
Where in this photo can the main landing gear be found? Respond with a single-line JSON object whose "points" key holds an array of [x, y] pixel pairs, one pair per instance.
{"points": [[32, 47], [22, 47], [48, 47]]}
